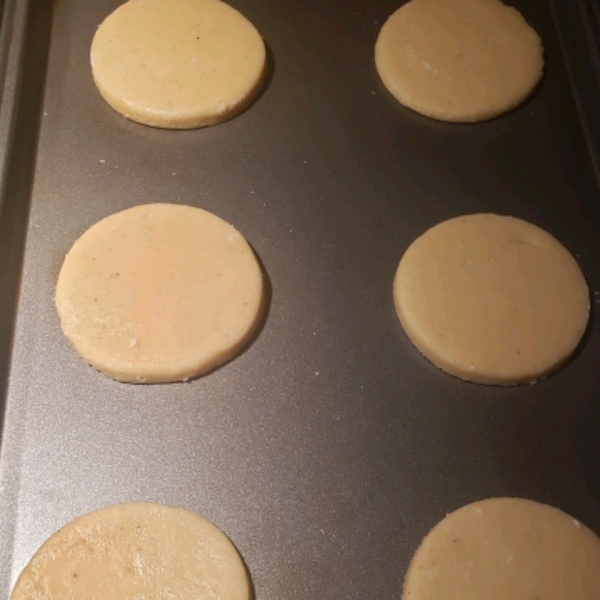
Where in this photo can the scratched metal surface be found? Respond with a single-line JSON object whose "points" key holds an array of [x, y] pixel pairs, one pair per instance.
{"points": [[330, 447]]}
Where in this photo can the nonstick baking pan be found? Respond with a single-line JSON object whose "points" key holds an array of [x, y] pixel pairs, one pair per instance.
{"points": [[330, 447]]}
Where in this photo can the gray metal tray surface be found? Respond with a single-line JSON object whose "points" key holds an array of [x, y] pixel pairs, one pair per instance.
{"points": [[330, 447]]}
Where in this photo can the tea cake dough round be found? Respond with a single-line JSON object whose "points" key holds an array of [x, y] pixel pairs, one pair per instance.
{"points": [[158, 293], [492, 299], [177, 64], [504, 549], [132, 551], [458, 60]]}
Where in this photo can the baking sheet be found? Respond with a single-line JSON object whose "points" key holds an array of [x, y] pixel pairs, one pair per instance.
{"points": [[330, 447]]}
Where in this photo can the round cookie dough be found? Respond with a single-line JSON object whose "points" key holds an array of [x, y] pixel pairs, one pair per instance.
{"points": [[133, 551], [158, 293], [458, 60], [504, 549], [491, 299], [177, 64]]}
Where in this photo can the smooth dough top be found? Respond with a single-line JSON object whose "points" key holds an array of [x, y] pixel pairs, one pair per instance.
{"points": [[159, 292], [459, 60], [134, 551], [177, 64], [492, 299], [506, 549]]}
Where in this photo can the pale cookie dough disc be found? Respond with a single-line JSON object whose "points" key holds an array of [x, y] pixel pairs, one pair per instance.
{"points": [[506, 549], [159, 292], [134, 551], [177, 64], [492, 299], [458, 60]]}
